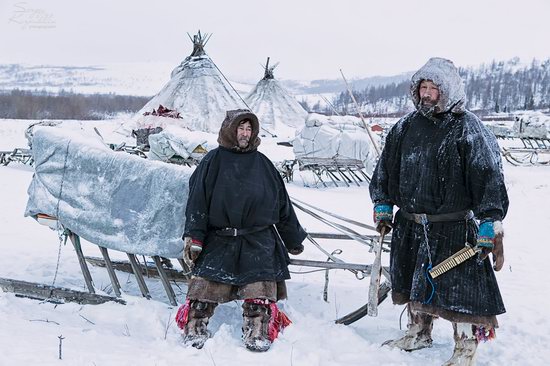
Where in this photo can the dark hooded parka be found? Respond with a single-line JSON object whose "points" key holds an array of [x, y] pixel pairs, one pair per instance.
{"points": [[436, 162], [240, 188]]}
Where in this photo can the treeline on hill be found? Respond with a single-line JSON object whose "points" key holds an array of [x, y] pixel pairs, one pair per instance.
{"points": [[496, 87], [19, 104]]}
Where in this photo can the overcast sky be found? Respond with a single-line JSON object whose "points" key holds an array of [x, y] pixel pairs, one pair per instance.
{"points": [[312, 39]]}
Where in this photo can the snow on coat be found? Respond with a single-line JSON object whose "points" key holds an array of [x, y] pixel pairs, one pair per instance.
{"points": [[441, 165], [240, 189]]}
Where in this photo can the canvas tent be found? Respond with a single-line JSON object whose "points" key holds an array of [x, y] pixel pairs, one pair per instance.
{"points": [[275, 108], [197, 90]]}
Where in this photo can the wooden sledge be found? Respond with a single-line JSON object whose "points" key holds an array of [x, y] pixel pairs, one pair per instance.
{"points": [[169, 276], [337, 171], [165, 275], [17, 155], [535, 151]]}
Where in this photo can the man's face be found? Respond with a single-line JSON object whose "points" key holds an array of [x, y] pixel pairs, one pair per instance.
{"points": [[244, 131], [428, 93]]}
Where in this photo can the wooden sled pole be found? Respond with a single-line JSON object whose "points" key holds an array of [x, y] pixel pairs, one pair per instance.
{"points": [[369, 132], [165, 281], [112, 275], [139, 277], [75, 239], [56, 295], [376, 272]]}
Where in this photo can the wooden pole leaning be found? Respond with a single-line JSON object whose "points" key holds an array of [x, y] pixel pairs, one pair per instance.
{"points": [[165, 282], [376, 272], [186, 269], [139, 276], [75, 240], [112, 275], [369, 132]]}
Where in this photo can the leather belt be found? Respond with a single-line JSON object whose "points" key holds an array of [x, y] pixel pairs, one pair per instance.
{"points": [[446, 217], [231, 231]]}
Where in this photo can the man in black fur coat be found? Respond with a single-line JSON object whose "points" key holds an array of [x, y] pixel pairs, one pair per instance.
{"points": [[441, 167], [240, 227]]}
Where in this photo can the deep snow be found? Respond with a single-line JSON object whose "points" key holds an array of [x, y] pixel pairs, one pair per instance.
{"points": [[143, 331]]}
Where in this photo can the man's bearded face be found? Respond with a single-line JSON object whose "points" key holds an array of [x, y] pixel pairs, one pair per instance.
{"points": [[244, 131], [429, 96]]}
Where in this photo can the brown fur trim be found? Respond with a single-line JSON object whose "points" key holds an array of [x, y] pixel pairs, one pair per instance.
{"points": [[453, 316], [210, 291], [399, 298]]}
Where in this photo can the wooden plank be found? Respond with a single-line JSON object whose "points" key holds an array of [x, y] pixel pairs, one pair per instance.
{"points": [[366, 268], [329, 236], [383, 292], [53, 294], [374, 287], [125, 266]]}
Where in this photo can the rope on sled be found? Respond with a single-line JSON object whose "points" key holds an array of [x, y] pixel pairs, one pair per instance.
{"points": [[61, 232]]}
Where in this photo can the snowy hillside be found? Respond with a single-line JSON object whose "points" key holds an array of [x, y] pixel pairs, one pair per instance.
{"points": [[143, 79], [143, 332], [147, 78]]}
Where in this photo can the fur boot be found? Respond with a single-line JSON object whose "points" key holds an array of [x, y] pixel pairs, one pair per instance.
{"points": [[195, 330], [418, 335], [465, 346], [256, 326]]}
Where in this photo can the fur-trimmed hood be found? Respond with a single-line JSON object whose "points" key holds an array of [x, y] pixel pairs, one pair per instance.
{"points": [[227, 136], [444, 74]]}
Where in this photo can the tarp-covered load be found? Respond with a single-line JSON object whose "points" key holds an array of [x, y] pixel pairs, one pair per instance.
{"points": [[181, 142], [532, 125], [334, 137], [501, 128], [112, 199]]}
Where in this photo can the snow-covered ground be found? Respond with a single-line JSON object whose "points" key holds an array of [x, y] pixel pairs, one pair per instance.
{"points": [[143, 332]]}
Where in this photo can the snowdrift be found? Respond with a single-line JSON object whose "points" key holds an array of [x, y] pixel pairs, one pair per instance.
{"points": [[112, 199]]}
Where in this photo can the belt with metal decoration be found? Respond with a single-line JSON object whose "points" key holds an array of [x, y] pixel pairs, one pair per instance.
{"points": [[231, 231], [420, 218]]}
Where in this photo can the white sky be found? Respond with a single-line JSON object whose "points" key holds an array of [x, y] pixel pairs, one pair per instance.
{"points": [[312, 39]]}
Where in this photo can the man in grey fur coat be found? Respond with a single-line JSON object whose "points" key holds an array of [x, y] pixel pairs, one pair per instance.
{"points": [[441, 167]]}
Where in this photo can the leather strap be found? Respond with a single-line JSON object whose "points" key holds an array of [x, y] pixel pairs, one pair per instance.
{"points": [[446, 217], [230, 231]]}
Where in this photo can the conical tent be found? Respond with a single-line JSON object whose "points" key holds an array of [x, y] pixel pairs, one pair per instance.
{"points": [[198, 91], [273, 105]]}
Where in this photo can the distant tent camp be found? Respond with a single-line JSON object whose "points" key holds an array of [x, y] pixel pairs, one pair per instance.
{"points": [[273, 105], [198, 91]]}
